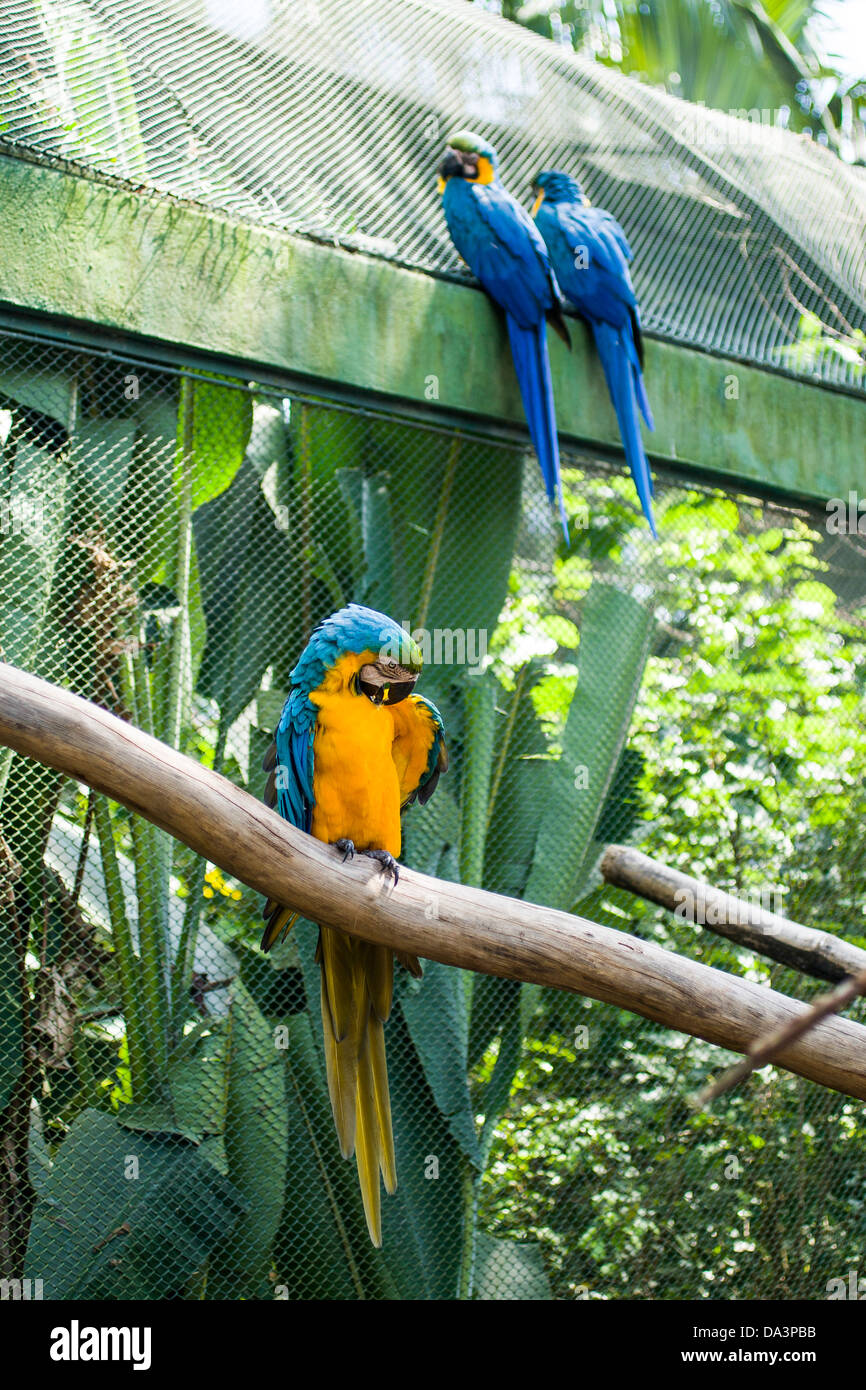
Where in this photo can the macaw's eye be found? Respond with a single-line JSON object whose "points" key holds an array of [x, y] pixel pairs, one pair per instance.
{"points": [[392, 666]]}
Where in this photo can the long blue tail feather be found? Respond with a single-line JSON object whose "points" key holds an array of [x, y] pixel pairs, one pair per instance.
{"points": [[532, 365], [642, 400], [625, 383]]}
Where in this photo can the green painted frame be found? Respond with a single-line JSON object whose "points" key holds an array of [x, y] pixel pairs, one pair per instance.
{"points": [[92, 252]]}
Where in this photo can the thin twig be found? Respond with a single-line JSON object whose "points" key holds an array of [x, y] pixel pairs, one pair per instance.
{"points": [[791, 264], [768, 1047]]}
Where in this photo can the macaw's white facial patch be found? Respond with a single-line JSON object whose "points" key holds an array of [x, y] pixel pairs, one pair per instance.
{"points": [[386, 683]]}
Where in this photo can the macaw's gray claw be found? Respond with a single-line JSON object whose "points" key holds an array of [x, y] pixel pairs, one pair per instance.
{"points": [[348, 848], [388, 862]]}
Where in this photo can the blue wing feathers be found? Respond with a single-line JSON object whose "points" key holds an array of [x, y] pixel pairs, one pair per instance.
{"points": [[503, 247], [590, 255], [294, 740]]}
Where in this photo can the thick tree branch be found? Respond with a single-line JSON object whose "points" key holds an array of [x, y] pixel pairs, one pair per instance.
{"points": [[814, 952], [443, 921]]}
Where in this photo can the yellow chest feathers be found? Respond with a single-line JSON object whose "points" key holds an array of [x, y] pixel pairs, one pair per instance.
{"points": [[355, 783]]}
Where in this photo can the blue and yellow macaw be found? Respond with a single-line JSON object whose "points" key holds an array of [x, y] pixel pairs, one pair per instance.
{"points": [[353, 747], [501, 245], [590, 255]]}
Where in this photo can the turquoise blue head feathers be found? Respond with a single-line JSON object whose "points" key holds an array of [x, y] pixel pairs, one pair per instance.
{"points": [[356, 629], [557, 187]]}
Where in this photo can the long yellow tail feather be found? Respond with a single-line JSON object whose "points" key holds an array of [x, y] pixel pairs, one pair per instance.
{"points": [[280, 921], [368, 1144], [341, 1069], [379, 1072], [357, 987]]}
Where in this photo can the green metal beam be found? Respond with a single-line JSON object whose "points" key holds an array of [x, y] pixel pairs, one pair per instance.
{"points": [[92, 252]]}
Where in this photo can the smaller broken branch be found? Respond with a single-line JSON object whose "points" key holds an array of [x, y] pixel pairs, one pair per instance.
{"points": [[816, 953], [768, 1047]]}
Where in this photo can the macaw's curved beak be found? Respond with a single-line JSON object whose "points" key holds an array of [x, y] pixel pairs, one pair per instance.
{"points": [[386, 687], [458, 164], [451, 165]]}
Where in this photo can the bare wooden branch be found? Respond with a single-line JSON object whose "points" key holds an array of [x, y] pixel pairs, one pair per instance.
{"points": [[447, 922], [816, 953]]}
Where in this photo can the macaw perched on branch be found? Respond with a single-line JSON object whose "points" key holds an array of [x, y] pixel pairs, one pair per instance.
{"points": [[353, 747], [590, 255], [501, 245]]}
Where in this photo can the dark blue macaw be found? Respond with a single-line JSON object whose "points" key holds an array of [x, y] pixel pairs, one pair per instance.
{"points": [[590, 255], [501, 245]]}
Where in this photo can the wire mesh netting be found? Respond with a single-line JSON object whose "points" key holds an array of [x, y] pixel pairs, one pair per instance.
{"points": [[168, 540], [328, 117]]}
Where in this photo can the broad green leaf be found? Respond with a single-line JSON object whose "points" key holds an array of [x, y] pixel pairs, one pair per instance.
{"points": [[493, 1000], [422, 1224], [422, 1221], [196, 1085], [146, 522], [376, 535], [615, 634], [458, 574], [428, 829], [243, 563], [221, 425], [495, 1095], [32, 515], [126, 1216], [322, 1249], [503, 1008], [28, 803], [479, 699], [519, 788], [256, 1143], [324, 499], [47, 390], [437, 1019], [101, 454]]}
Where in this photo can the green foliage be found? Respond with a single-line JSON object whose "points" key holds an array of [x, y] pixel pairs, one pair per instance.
{"points": [[33, 488], [751, 762], [11, 1004], [756, 60], [256, 1144], [613, 651], [92, 94], [217, 433], [123, 1216], [712, 715], [814, 345], [330, 1212]]}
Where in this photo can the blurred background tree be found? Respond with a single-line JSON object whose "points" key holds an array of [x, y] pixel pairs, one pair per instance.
{"points": [[782, 57], [746, 762]]}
